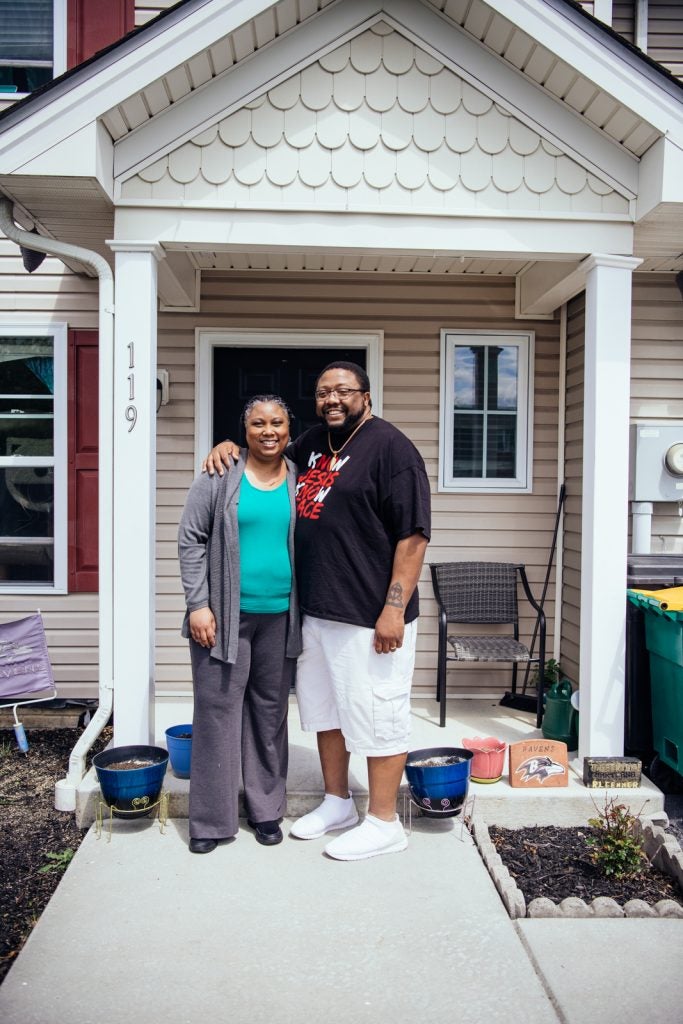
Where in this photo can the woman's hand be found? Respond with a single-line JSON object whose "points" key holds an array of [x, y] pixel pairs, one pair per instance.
{"points": [[203, 627], [220, 456]]}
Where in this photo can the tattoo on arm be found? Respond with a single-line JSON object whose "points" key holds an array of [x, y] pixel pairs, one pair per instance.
{"points": [[395, 595]]}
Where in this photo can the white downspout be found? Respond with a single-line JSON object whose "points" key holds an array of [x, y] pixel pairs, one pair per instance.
{"points": [[65, 789]]}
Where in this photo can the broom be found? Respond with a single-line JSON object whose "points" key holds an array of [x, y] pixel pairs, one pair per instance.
{"points": [[524, 701]]}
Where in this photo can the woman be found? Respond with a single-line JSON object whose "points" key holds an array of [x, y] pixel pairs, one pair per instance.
{"points": [[236, 549]]}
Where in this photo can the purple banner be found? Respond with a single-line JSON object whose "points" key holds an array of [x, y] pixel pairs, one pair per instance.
{"points": [[24, 661]]}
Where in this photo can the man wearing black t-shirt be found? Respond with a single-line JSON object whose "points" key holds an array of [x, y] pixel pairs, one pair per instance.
{"points": [[363, 524]]}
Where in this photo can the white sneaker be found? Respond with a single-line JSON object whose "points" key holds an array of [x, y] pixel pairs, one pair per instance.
{"points": [[332, 814], [368, 840]]}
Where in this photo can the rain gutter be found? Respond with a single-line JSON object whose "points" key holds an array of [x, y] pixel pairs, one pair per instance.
{"points": [[65, 789]]}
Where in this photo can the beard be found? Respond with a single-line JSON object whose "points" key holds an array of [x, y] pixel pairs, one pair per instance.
{"points": [[350, 422]]}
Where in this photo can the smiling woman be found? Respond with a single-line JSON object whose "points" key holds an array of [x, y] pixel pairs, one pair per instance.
{"points": [[236, 548]]}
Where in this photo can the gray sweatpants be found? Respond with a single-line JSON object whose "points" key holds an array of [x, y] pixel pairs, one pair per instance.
{"points": [[240, 722]]}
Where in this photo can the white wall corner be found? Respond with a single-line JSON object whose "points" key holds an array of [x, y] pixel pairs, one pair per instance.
{"points": [[660, 177], [544, 286], [74, 156], [105, 160], [179, 284], [602, 10]]}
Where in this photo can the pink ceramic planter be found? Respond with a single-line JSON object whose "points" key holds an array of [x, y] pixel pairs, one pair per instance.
{"points": [[489, 757]]}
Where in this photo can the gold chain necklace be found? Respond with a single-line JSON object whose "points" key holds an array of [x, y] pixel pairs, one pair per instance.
{"points": [[337, 451]]}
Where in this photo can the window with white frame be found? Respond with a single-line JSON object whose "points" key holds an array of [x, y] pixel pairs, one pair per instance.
{"points": [[485, 435], [33, 462], [32, 44]]}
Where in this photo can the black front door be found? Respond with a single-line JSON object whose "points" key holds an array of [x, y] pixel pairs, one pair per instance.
{"points": [[240, 373]]}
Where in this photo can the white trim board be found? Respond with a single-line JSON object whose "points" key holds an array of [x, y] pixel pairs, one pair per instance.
{"points": [[202, 229]]}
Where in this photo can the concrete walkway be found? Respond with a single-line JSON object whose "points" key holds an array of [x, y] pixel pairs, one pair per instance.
{"points": [[141, 930]]}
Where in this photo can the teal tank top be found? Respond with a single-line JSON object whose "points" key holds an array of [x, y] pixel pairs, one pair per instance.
{"points": [[265, 569]]}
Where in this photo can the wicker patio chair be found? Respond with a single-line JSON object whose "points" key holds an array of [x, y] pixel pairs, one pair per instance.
{"points": [[483, 593]]}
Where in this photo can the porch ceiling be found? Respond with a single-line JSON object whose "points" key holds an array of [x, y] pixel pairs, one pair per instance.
{"points": [[74, 210], [393, 263]]}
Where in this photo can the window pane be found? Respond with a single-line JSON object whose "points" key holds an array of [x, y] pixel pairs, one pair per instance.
{"points": [[501, 444], [468, 376], [26, 502], [468, 435], [26, 561], [503, 376], [26, 28], [26, 396]]}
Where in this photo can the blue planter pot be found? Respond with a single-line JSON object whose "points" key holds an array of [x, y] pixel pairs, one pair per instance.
{"points": [[131, 791], [439, 790], [179, 743]]}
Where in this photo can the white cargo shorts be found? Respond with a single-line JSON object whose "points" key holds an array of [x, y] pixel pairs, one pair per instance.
{"points": [[342, 683]]}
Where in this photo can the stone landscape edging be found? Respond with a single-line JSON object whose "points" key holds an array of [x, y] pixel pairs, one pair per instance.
{"points": [[661, 848]]}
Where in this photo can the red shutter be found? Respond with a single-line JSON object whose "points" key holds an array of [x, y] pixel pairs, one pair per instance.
{"points": [[94, 24], [82, 445]]}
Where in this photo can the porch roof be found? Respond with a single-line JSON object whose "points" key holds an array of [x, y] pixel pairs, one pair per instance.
{"points": [[607, 101]]}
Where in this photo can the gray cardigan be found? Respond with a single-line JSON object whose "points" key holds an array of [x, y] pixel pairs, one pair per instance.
{"points": [[208, 549]]}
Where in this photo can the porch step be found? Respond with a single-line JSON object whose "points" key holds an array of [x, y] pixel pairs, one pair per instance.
{"points": [[498, 804]]}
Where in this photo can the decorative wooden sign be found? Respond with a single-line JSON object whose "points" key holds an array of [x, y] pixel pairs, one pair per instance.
{"points": [[538, 764], [611, 772]]}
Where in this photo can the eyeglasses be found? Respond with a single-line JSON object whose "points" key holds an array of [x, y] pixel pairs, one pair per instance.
{"points": [[341, 392]]}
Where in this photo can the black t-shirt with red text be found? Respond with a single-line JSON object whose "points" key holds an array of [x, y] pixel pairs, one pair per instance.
{"points": [[351, 513]]}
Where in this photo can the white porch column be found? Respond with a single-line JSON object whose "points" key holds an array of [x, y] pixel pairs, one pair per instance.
{"points": [[605, 504], [135, 359]]}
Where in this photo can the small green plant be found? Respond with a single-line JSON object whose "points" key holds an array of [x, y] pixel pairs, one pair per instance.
{"points": [[58, 862], [616, 850], [551, 674]]}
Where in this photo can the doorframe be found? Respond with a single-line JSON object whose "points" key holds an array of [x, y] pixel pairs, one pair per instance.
{"points": [[206, 339]]}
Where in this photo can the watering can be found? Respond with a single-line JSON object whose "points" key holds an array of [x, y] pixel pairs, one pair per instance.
{"points": [[560, 719]]}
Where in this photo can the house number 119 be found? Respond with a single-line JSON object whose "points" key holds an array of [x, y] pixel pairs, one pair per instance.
{"points": [[131, 412]]}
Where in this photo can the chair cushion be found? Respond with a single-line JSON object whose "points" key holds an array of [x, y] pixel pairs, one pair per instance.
{"points": [[487, 648]]}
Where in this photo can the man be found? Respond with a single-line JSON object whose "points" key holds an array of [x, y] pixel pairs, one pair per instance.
{"points": [[363, 525]]}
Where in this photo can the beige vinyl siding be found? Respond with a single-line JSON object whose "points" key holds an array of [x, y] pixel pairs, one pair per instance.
{"points": [[665, 34], [623, 19], [657, 380], [145, 10], [573, 473], [411, 311], [53, 294]]}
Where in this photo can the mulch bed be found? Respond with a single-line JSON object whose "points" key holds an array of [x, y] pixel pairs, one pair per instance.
{"points": [[555, 862], [34, 836]]}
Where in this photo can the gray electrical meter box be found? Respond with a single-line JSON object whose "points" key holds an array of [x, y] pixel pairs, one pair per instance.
{"points": [[656, 462]]}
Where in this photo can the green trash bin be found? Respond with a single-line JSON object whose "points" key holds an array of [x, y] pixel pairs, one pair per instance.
{"points": [[664, 641]]}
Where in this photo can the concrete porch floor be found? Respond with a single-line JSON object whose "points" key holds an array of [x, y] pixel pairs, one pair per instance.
{"points": [[498, 803]]}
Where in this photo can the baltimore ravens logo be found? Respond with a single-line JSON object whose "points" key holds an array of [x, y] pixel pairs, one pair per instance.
{"points": [[540, 768]]}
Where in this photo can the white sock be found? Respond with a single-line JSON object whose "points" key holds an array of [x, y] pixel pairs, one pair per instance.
{"points": [[339, 799], [384, 826]]}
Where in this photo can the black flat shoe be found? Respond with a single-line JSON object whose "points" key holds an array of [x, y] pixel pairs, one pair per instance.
{"points": [[203, 845], [268, 833]]}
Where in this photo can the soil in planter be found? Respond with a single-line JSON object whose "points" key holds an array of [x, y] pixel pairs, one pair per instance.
{"points": [[126, 766], [436, 762], [555, 862]]}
